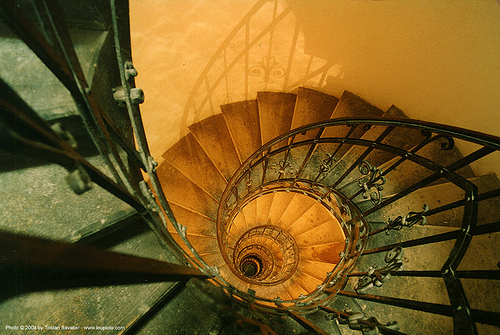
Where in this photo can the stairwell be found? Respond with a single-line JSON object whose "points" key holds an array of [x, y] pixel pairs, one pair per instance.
{"points": [[198, 166], [293, 213]]}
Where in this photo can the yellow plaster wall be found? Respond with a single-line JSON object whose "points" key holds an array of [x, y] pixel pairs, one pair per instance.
{"points": [[437, 60]]}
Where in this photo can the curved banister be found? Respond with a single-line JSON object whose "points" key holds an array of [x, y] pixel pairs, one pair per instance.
{"points": [[458, 302]]}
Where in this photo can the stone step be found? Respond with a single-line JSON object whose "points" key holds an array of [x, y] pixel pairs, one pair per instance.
{"points": [[312, 106], [270, 292], [242, 119], [326, 253], [316, 268], [404, 138], [250, 214], [188, 157], [307, 220], [182, 191], [327, 232], [307, 281], [275, 114], [350, 105], [291, 289], [322, 320], [195, 222], [231, 278], [179, 317], [214, 137], [213, 259], [38, 201], [202, 244], [399, 178], [281, 202], [105, 305], [264, 204], [239, 226], [298, 206]]}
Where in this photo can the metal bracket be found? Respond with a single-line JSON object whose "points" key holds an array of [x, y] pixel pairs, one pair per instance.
{"points": [[79, 180], [60, 130], [136, 96]]}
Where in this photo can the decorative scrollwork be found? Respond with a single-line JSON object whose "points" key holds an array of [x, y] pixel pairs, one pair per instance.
{"points": [[447, 145], [326, 165], [283, 167], [375, 277], [358, 321], [409, 220], [269, 68], [372, 182]]}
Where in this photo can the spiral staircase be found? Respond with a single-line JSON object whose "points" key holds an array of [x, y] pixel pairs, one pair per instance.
{"points": [[296, 212], [277, 211]]}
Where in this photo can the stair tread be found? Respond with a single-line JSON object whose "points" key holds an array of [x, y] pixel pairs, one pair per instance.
{"points": [[188, 156], [408, 172], [202, 244], [194, 222], [296, 209], [227, 274], [316, 269], [177, 315], [350, 105], [46, 185], [316, 215], [404, 138], [243, 123], [250, 212], [312, 106], [183, 191], [281, 202], [239, 226], [213, 259], [214, 137], [328, 253], [276, 112], [326, 232], [263, 206], [291, 289], [306, 281]]}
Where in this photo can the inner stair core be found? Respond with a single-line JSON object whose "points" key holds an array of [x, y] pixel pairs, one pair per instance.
{"points": [[286, 241]]}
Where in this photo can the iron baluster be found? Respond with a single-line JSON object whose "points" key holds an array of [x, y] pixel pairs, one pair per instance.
{"points": [[339, 146], [309, 154], [362, 157], [428, 139], [409, 220], [358, 321], [376, 276]]}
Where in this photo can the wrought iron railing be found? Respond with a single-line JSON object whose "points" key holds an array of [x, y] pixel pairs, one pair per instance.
{"points": [[351, 187], [311, 164]]}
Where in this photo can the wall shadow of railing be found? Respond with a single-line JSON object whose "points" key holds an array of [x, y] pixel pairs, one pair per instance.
{"points": [[265, 51]]}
